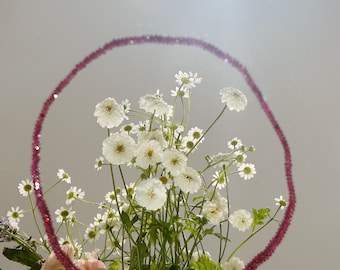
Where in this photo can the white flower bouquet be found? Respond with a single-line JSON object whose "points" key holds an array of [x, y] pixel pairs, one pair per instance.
{"points": [[162, 218]]}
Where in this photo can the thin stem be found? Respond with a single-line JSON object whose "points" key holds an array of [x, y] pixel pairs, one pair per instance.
{"points": [[208, 129]]}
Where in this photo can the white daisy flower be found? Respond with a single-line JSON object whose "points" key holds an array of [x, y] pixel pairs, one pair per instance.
{"points": [[126, 105], [113, 224], [188, 144], [25, 187], [281, 202], [196, 134], [241, 220], [219, 179], [91, 233], [63, 176], [129, 128], [99, 163], [174, 161], [14, 216], [151, 194], [148, 154], [233, 264], [155, 104], [234, 99], [100, 223], [240, 157], [109, 113], [112, 197], [155, 135], [64, 215], [235, 143], [129, 192], [187, 80], [180, 92], [118, 148], [246, 171], [189, 180], [74, 193]]}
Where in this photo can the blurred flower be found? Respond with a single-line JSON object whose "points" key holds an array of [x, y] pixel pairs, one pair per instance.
{"points": [[234, 99]]}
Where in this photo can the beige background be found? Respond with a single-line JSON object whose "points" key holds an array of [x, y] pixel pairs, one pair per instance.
{"points": [[290, 48]]}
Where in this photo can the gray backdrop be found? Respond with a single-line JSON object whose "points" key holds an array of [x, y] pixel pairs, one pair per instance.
{"points": [[290, 48]]}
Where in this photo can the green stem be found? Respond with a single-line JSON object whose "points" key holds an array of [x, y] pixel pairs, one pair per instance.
{"points": [[34, 216], [208, 129]]}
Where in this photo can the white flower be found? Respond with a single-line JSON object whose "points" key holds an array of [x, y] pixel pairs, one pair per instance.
{"points": [[218, 160], [174, 161], [74, 193], [155, 104], [215, 210], [196, 134], [63, 176], [151, 194], [234, 143], [246, 171], [148, 154], [91, 233], [188, 143], [219, 179], [281, 202], [197, 254], [113, 223], [100, 223], [233, 264], [109, 113], [155, 135], [181, 92], [234, 98], [118, 148], [129, 191], [64, 215], [187, 80], [99, 163], [25, 187], [189, 180], [241, 220], [126, 105], [14, 216], [240, 157], [112, 197]]}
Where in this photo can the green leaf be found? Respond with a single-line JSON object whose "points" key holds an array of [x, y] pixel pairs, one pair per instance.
{"points": [[126, 219], [259, 216], [114, 265], [204, 263], [24, 256]]}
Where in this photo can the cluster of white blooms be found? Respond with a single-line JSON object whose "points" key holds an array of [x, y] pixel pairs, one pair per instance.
{"points": [[158, 148]]}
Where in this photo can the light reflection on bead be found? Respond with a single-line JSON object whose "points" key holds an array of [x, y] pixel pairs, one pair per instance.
{"points": [[46, 218], [55, 96], [37, 147], [36, 186]]}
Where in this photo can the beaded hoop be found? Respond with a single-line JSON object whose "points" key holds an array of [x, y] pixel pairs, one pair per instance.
{"points": [[162, 40]]}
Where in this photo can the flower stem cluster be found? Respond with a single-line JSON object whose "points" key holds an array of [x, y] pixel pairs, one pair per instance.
{"points": [[161, 218]]}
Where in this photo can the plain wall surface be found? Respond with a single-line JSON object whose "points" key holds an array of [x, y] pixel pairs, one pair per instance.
{"points": [[291, 48]]}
